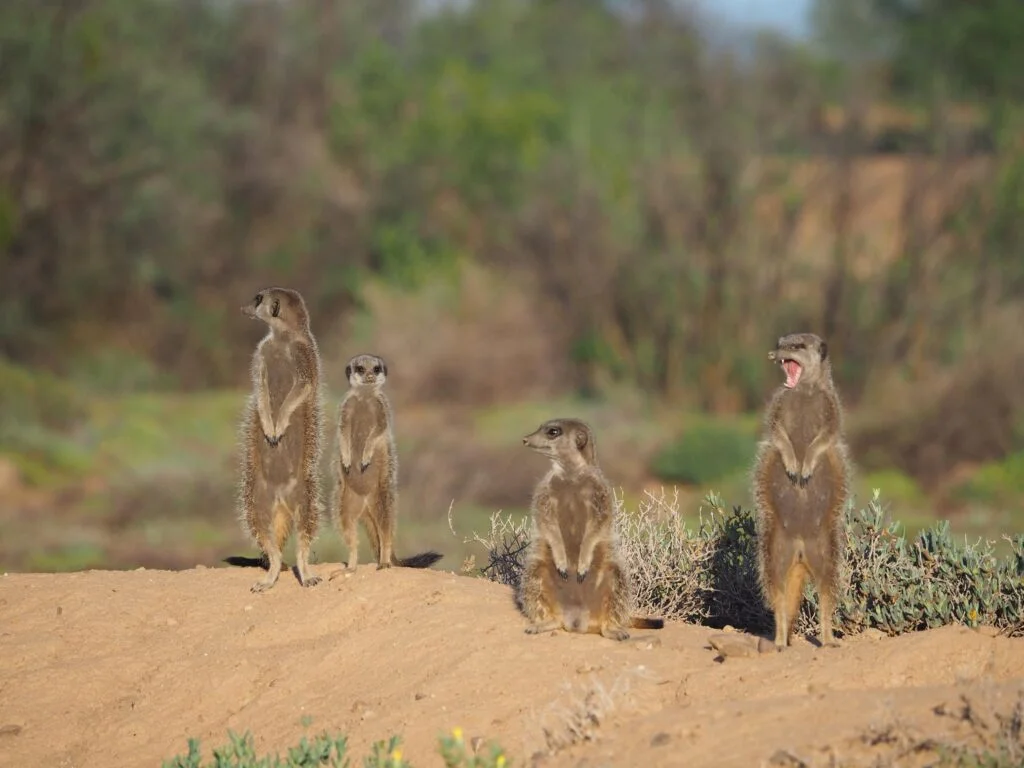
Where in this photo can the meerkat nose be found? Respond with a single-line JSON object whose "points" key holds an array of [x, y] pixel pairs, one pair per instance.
{"points": [[526, 440]]}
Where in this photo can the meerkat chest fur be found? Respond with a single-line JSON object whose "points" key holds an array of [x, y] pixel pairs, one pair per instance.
{"points": [[575, 501], [367, 413], [803, 413], [279, 359]]}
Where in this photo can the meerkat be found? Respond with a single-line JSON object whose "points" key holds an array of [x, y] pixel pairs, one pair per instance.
{"points": [[574, 576], [281, 435], [367, 467], [801, 484]]}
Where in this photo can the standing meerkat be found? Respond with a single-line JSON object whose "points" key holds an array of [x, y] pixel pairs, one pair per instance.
{"points": [[367, 467], [573, 536], [801, 484], [282, 434]]}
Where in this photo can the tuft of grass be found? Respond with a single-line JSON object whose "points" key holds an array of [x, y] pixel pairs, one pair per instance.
{"points": [[708, 573], [332, 751], [706, 452]]}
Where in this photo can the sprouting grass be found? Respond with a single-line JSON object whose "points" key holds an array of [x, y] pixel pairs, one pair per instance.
{"points": [[333, 751]]}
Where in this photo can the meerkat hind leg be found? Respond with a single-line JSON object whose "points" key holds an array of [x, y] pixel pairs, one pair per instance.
{"points": [[544, 616], [614, 631], [306, 576], [384, 520], [792, 593], [821, 568], [539, 627], [613, 606], [273, 554]]}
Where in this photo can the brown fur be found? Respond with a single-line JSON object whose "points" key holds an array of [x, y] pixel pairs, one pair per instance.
{"points": [[801, 485], [366, 467], [281, 435], [574, 576]]}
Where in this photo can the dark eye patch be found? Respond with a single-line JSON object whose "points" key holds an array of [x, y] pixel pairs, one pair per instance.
{"points": [[258, 300], [554, 431], [360, 369], [376, 369]]}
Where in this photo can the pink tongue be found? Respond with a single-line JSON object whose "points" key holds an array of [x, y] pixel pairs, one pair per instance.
{"points": [[792, 370]]}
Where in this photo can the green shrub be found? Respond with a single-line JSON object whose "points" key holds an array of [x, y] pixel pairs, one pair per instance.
{"points": [[325, 750], [997, 484], [705, 452], [708, 574]]}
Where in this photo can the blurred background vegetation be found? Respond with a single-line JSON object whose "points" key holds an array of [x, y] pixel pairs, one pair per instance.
{"points": [[531, 208]]}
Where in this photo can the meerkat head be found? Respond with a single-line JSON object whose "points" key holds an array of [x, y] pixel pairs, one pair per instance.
{"points": [[366, 370], [281, 308], [567, 442], [803, 357]]}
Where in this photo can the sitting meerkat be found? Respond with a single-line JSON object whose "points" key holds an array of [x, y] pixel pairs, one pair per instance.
{"points": [[574, 576]]}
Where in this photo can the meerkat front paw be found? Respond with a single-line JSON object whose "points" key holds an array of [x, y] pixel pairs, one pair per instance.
{"points": [[805, 475], [363, 465], [273, 440], [581, 574], [563, 573]]}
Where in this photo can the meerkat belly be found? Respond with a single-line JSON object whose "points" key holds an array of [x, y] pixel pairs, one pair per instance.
{"points": [[363, 421], [572, 521]]}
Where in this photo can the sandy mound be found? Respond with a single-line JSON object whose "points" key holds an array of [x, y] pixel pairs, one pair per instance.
{"points": [[119, 668]]}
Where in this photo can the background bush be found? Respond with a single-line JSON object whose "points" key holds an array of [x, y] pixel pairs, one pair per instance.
{"points": [[705, 452]]}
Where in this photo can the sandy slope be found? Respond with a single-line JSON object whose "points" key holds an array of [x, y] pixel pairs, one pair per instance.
{"points": [[118, 668]]}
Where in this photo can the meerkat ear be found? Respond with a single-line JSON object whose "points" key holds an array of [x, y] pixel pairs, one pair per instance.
{"points": [[581, 439], [824, 349], [384, 367], [348, 371], [277, 308]]}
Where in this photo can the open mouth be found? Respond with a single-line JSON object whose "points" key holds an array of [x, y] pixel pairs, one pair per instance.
{"points": [[793, 369]]}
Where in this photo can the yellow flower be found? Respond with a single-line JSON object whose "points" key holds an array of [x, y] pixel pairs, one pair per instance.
{"points": [[972, 615], [396, 756], [500, 762], [457, 733]]}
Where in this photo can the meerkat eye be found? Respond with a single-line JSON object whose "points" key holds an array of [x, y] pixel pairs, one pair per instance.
{"points": [[258, 300], [800, 345], [360, 370], [376, 369], [277, 308], [554, 432]]}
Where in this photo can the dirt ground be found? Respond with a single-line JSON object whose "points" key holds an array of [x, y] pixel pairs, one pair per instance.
{"points": [[104, 668]]}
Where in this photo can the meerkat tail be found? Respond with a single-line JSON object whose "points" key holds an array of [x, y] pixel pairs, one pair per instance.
{"points": [[643, 622], [422, 560]]}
